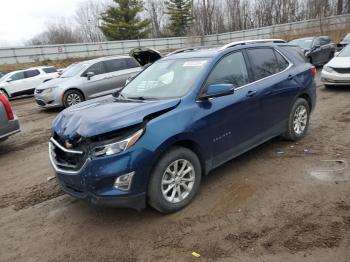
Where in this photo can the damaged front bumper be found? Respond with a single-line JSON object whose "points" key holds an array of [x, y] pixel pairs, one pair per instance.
{"points": [[94, 179]]}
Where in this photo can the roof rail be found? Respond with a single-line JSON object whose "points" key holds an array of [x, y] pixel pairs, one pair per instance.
{"points": [[244, 42], [189, 49]]}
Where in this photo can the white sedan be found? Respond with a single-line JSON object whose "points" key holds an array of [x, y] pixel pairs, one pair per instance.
{"points": [[24, 82], [337, 71]]}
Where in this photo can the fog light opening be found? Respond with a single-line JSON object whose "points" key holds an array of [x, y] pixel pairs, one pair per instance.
{"points": [[123, 182]]}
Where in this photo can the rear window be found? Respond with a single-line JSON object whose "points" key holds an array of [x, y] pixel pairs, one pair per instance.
{"points": [[294, 53], [263, 62], [32, 73], [131, 63], [49, 70]]}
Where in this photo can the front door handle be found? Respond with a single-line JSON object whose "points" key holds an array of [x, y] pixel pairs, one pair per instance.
{"points": [[251, 93]]}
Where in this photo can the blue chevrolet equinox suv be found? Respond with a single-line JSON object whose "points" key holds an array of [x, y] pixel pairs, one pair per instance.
{"points": [[181, 117]]}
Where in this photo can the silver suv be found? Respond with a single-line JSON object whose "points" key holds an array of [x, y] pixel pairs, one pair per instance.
{"points": [[87, 80]]}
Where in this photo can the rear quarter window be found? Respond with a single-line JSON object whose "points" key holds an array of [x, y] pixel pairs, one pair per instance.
{"points": [[293, 53]]}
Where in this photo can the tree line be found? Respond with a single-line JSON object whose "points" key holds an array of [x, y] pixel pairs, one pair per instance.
{"points": [[97, 20]]}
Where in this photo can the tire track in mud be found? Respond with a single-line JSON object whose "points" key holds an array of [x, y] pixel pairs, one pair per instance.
{"points": [[31, 196], [23, 142]]}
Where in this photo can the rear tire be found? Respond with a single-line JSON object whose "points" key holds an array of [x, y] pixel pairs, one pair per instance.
{"points": [[175, 180], [298, 121], [72, 97]]}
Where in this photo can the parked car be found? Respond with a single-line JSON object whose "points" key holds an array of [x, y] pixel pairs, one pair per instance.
{"points": [[180, 118], [337, 71], [318, 50], [87, 80], [24, 82], [9, 124], [343, 43]]}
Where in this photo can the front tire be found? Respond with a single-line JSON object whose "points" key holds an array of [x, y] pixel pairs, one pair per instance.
{"points": [[72, 97], [298, 121], [5, 94], [175, 180]]}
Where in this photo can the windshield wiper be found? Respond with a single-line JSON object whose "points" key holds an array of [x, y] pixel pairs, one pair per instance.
{"points": [[118, 94], [141, 98]]}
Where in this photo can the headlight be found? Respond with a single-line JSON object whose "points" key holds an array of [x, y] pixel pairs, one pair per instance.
{"points": [[48, 90], [117, 147], [328, 69]]}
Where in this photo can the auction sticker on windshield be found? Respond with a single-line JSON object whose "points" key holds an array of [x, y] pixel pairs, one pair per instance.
{"points": [[195, 63]]}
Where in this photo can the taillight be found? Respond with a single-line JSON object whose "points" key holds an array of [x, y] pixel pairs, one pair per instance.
{"points": [[6, 103], [313, 70]]}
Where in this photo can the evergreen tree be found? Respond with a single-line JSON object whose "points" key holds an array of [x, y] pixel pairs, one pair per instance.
{"points": [[121, 21], [180, 12]]}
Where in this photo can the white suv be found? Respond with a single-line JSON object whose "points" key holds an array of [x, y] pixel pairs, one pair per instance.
{"points": [[25, 81]]}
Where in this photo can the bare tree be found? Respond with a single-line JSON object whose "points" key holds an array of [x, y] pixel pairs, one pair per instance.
{"points": [[87, 17], [155, 10], [59, 31]]}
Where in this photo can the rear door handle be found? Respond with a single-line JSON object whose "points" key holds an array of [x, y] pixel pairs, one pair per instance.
{"points": [[251, 93], [290, 77]]}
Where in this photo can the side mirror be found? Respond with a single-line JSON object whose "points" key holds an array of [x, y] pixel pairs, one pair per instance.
{"points": [[89, 75], [9, 80], [217, 90]]}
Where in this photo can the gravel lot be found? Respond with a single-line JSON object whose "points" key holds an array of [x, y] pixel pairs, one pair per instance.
{"points": [[262, 206]]}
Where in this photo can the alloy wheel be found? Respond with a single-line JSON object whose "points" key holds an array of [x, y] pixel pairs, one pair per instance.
{"points": [[300, 119], [73, 99], [178, 181]]}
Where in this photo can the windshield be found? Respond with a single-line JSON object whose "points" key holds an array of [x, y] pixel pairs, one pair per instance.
{"points": [[347, 37], [73, 70], [345, 52], [166, 79], [304, 43], [2, 78]]}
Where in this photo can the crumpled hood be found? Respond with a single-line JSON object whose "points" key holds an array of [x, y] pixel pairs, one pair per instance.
{"points": [[107, 114], [339, 62], [53, 83]]}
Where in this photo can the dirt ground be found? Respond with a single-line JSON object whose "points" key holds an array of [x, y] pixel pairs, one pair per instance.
{"points": [[263, 206]]}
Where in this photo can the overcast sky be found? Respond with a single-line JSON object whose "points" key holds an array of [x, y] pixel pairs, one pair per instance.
{"points": [[22, 19]]}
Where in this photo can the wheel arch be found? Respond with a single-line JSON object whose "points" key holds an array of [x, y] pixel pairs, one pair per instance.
{"points": [[184, 142], [3, 89], [307, 98]]}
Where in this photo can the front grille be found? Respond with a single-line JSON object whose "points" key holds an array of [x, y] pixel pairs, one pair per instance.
{"points": [[67, 159], [40, 102], [342, 70]]}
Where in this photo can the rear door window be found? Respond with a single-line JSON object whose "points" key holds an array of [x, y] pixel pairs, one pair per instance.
{"points": [[230, 70], [32, 73], [263, 62], [114, 65]]}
